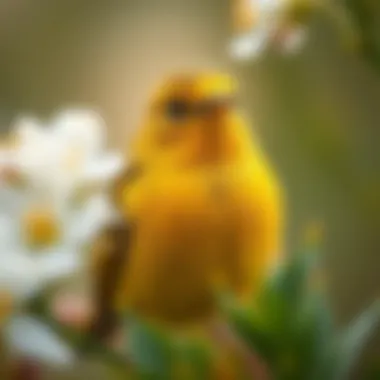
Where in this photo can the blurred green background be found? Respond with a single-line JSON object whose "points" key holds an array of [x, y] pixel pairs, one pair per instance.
{"points": [[316, 113]]}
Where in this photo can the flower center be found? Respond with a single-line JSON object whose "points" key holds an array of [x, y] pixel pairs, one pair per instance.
{"points": [[40, 226]]}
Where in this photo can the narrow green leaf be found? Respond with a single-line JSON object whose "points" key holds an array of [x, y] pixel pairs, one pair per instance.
{"points": [[354, 339], [290, 281], [196, 358], [314, 340], [150, 351], [253, 333]]}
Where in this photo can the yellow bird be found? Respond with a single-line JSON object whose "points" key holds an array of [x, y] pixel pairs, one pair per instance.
{"points": [[201, 204]]}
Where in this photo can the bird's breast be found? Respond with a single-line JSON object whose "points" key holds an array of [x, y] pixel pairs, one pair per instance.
{"points": [[183, 224]]}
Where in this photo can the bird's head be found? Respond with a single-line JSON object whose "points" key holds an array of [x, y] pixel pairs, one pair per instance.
{"points": [[194, 99], [191, 119]]}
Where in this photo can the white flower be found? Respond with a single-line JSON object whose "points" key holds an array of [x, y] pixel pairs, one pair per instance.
{"points": [[66, 154], [55, 161], [274, 23], [43, 155], [26, 270]]}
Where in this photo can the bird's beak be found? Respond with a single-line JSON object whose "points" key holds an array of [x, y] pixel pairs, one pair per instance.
{"points": [[220, 107], [216, 106]]}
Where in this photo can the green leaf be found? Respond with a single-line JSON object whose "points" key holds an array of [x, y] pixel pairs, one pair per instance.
{"points": [[288, 325], [150, 351], [282, 296], [354, 339], [302, 351], [315, 339], [249, 328], [195, 358], [290, 282]]}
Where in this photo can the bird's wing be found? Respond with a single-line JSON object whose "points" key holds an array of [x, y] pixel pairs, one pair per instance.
{"points": [[110, 257], [128, 178], [112, 248]]}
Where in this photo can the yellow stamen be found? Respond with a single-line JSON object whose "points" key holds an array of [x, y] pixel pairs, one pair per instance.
{"points": [[40, 226]]}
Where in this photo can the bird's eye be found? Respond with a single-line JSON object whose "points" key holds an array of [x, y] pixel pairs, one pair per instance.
{"points": [[177, 109]]}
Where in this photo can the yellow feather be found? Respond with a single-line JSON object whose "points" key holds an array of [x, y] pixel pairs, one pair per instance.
{"points": [[206, 206]]}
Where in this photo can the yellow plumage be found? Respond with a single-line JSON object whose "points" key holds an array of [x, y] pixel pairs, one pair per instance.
{"points": [[204, 206]]}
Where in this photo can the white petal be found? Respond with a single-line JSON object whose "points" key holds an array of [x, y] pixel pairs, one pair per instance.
{"points": [[250, 45], [27, 129], [53, 265], [37, 158], [23, 275], [81, 128], [96, 213], [18, 275], [7, 158], [28, 337], [267, 7], [12, 200], [8, 230], [104, 169]]}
